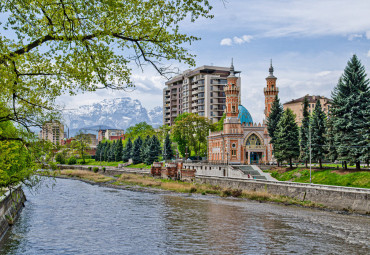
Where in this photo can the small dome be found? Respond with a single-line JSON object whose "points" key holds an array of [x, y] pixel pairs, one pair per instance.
{"points": [[244, 116]]}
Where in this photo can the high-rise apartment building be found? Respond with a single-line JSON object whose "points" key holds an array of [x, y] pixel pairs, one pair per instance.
{"points": [[199, 91], [52, 131]]}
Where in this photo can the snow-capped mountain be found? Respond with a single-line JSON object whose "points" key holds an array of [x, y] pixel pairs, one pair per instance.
{"points": [[119, 113]]}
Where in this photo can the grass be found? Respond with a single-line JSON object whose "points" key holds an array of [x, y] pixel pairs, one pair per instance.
{"points": [[186, 187], [140, 165], [92, 162], [85, 175], [349, 178]]}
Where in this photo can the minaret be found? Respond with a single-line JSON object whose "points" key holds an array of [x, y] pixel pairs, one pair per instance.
{"points": [[270, 91], [232, 94]]}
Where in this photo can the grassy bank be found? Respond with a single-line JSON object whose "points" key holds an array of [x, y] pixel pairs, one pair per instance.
{"points": [[349, 178], [85, 175], [92, 162], [186, 187]]}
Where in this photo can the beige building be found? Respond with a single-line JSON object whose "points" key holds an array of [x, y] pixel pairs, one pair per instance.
{"points": [[296, 105], [52, 131], [109, 133], [199, 91]]}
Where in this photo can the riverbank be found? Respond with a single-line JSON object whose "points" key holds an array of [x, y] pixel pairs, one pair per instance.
{"points": [[147, 183]]}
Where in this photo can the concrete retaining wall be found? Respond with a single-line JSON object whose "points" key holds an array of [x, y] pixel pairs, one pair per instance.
{"points": [[10, 205], [108, 170], [340, 198]]}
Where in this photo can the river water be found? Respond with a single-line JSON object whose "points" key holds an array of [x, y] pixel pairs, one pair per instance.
{"points": [[78, 218]]}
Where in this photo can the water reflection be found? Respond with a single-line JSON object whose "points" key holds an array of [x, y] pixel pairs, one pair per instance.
{"points": [[78, 218]]}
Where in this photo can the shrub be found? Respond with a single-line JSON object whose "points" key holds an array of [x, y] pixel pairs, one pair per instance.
{"points": [[103, 169], [95, 169], [89, 168], [193, 189], [236, 192], [59, 158], [72, 161]]}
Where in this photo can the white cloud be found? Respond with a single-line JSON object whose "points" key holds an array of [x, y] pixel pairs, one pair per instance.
{"points": [[247, 38], [323, 73], [354, 36], [238, 40], [226, 41], [368, 53], [368, 35]]}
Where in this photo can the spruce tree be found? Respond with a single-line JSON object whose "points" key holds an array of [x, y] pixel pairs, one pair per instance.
{"points": [[145, 148], [167, 148], [126, 155], [106, 151], [97, 152], [118, 150], [111, 151], [274, 118], [136, 151], [331, 151], [286, 144], [154, 150], [351, 115], [318, 131], [303, 133]]}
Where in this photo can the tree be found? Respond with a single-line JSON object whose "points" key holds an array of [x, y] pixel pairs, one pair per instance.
{"points": [[318, 131], [111, 151], [274, 118], [351, 115], [62, 47], [190, 132], [167, 148], [126, 155], [118, 150], [141, 129], [136, 151], [145, 148], [304, 133], [153, 151], [331, 151], [81, 144], [219, 125], [106, 151], [286, 144]]}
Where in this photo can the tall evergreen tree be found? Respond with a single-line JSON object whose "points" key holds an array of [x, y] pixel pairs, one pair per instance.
{"points": [[331, 151], [318, 131], [351, 115], [145, 148], [274, 118], [106, 151], [303, 133], [167, 148], [118, 150], [97, 152], [154, 150], [286, 144], [126, 155], [111, 151], [136, 151]]}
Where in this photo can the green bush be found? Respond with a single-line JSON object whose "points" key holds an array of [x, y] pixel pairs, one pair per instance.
{"points": [[95, 169], [89, 168], [103, 169], [59, 158], [72, 161]]}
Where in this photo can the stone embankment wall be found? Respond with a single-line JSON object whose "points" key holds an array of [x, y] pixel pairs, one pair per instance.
{"points": [[108, 170], [335, 197], [10, 205]]}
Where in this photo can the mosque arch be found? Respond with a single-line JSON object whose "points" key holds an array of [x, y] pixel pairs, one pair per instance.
{"points": [[253, 139]]}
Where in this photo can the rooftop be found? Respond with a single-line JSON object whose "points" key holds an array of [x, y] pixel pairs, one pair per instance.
{"points": [[311, 99]]}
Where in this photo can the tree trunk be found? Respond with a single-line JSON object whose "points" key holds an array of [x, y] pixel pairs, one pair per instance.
{"points": [[290, 163], [320, 163], [306, 164], [358, 166], [345, 165], [278, 164]]}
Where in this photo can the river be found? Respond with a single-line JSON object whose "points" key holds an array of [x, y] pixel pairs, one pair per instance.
{"points": [[74, 217]]}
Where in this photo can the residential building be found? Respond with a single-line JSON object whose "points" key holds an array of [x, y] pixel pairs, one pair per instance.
{"points": [[114, 134], [101, 135], [241, 141], [199, 91], [52, 131], [296, 105]]}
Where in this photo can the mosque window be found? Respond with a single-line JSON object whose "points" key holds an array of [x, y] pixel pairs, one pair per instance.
{"points": [[253, 140]]}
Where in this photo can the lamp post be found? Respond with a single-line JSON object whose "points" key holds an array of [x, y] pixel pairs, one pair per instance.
{"points": [[309, 134]]}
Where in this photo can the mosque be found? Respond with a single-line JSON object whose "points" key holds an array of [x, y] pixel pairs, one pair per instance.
{"points": [[242, 141]]}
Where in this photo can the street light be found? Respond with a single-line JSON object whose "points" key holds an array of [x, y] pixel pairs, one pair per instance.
{"points": [[309, 134]]}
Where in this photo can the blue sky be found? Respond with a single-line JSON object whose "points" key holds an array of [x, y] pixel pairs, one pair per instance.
{"points": [[308, 41]]}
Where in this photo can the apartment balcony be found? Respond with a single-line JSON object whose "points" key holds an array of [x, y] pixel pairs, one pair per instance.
{"points": [[174, 110]]}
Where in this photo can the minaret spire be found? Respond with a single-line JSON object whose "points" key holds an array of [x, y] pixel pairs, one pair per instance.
{"points": [[271, 69], [232, 71]]}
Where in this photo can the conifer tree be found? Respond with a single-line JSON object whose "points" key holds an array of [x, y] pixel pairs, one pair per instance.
{"points": [[167, 148], [126, 155], [154, 150], [274, 118], [106, 151], [318, 131], [286, 144], [351, 115], [303, 133], [136, 151], [145, 148], [111, 151], [118, 150], [331, 152], [97, 152]]}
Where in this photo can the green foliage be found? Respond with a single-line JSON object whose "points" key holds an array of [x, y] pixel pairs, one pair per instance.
{"points": [[126, 155], [286, 146], [274, 118], [118, 150], [318, 131], [81, 144], [95, 169], [304, 132], [219, 125], [167, 148], [59, 158], [145, 148], [136, 151], [153, 150], [190, 132], [141, 129], [350, 114], [72, 161]]}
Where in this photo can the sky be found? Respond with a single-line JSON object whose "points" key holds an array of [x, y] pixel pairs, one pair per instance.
{"points": [[309, 43]]}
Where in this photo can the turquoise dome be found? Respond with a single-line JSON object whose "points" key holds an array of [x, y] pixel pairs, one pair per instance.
{"points": [[244, 116]]}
